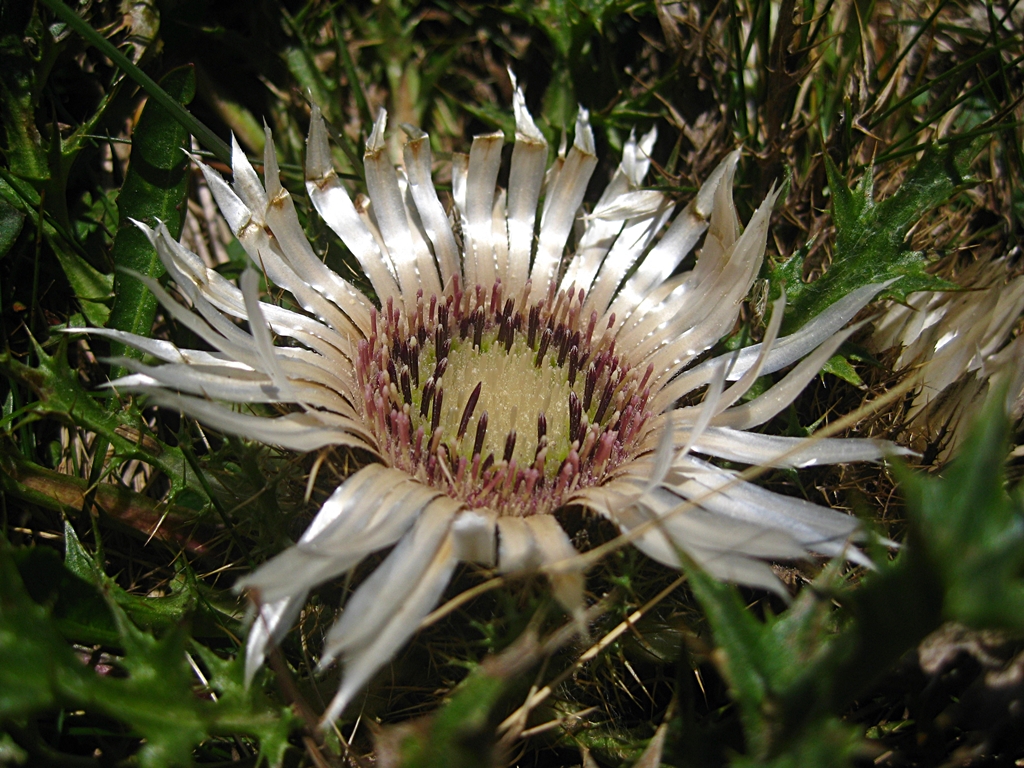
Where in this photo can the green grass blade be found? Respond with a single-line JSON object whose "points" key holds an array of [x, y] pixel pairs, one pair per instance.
{"points": [[155, 189]]}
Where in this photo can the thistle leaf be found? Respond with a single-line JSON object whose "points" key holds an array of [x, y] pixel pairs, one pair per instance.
{"points": [[157, 699], [763, 662], [870, 244], [969, 530], [61, 395]]}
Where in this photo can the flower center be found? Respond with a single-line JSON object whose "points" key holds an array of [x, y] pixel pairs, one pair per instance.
{"points": [[499, 408]]}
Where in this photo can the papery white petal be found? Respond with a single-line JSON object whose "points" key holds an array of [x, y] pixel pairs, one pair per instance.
{"points": [[636, 156], [561, 204], [237, 214], [474, 535], [499, 235], [517, 549], [629, 205], [231, 384], [677, 242], [339, 545], [526, 544], [814, 528], [704, 413], [771, 403], [431, 212], [484, 162], [392, 218], [197, 280], [362, 663], [387, 608], [378, 598], [272, 622], [629, 244], [785, 351], [624, 218], [235, 347], [334, 205], [708, 316], [779, 451], [296, 431], [555, 549], [249, 283], [344, 510], [526, 175], [245, 182], [159, 348], [268, 257], [746, 381], [460, 175], [667, 527]]}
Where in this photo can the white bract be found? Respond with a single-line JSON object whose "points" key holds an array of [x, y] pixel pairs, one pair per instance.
{"points": [[520, 356], [958, 344]]}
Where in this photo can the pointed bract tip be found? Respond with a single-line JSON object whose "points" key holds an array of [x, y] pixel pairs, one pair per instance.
{"points": [[271, 171], [414, 133], [341, 700], [648, 140], [584, 140], [376, 141], [318, 151], [526, 128], [141, 225], [236, 150], [704, 202]]}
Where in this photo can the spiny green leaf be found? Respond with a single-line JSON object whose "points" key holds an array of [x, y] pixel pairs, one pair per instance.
{"points": [[457, 736], [870, 242], [245, 709], [21, 38], [38, 671], [761, 660], [158, 613], [40, 158], [970, 529], [11, 221], [91, 286], [76, 608], [61, 395], [30, 648], [839, 366], [462, 733]]}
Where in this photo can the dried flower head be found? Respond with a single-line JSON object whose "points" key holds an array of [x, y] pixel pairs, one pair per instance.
{"points": [[519, 356], [960, 345]]}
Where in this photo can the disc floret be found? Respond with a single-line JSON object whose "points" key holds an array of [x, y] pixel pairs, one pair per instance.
{"points": [[498, 407]]}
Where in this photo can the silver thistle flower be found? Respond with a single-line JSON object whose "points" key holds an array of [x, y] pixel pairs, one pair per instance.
{"points": [[501, 378]]}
